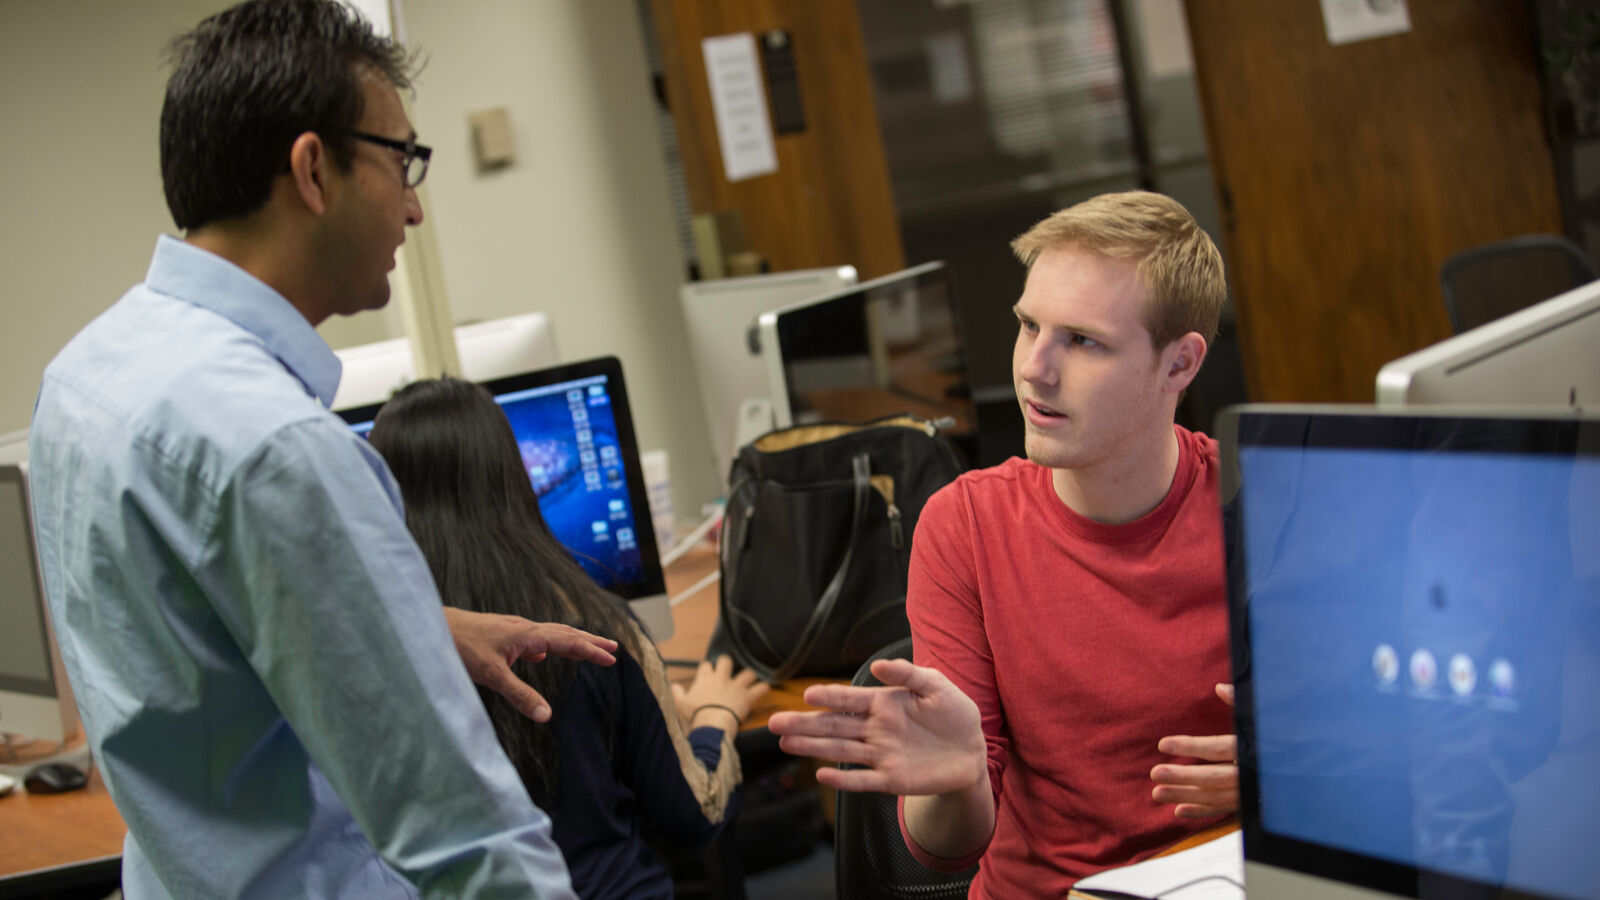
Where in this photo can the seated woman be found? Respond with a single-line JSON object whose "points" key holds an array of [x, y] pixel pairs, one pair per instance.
{"points": [[625, 753]]}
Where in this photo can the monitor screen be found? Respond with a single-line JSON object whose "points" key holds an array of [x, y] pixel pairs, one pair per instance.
{"points": [[885, 347], [1416, 604], [571, 444], [574, 429]]}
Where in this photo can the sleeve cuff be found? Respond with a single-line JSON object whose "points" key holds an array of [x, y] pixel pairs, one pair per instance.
{"points": [[937, 863], [706, 742]]}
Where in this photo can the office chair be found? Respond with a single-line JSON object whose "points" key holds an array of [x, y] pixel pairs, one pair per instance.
{"points": [[871, 861], [1484, 283]]}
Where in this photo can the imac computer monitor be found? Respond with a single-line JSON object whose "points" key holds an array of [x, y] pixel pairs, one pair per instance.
{"points": [[487, 350], [35, 699], [1415, 614], [885, 347], [499, 348], [720, 315], [575, 430], [371, 373], [1547, 355], [14, 447]]}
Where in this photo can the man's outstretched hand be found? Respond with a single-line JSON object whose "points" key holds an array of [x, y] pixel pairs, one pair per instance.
{"points": [[1200, 790], [489, 643], [918, 734]]}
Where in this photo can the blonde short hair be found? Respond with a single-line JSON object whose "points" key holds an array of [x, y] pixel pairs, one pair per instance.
{"points": [[1179, 266]]}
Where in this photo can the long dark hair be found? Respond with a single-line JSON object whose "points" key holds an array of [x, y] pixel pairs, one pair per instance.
{"points": [[471, 507]]}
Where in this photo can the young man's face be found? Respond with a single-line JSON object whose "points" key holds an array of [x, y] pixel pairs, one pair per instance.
{"points": [[375, 207], [1090, 384]]}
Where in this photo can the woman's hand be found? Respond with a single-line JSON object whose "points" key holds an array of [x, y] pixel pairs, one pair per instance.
{"points": [[718, 697]]}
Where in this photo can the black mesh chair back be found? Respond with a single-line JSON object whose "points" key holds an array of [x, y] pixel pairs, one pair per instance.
{"points": [[870, 858], [1494, 280]]}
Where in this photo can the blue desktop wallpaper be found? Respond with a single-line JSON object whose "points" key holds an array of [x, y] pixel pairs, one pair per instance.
{"points": [[1425, 653], [567, 434]]}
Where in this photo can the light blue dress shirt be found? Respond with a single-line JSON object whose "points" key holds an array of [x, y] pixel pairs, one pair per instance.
{"points": [[257, 647]]}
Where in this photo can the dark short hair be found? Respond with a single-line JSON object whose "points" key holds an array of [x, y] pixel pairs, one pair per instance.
{"points": [[249, 80]]}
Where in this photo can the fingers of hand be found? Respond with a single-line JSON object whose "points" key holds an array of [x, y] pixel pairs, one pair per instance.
{"points": [[1196, 803], [839, 750], [724, 666], [836, 725], [901, 672], [1192, 796], [843, 698], [755, 692], [1202, 811], [1225, 691], [852, 779], [1209, 777], [746, 678], [783, 723], [1217, 747], [571, 643], [527, 700], [603, 643], [817, 724]]}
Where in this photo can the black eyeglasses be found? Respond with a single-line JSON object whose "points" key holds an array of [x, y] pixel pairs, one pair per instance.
{"points": [[414, 156]]}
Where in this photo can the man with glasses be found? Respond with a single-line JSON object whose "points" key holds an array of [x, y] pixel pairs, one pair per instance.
{"points": [[265, 671]]}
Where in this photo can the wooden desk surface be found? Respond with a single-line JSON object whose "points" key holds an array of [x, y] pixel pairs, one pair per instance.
{"points": [[39, 831]]}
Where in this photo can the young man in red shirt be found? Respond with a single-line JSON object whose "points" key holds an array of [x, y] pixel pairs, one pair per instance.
{"points": [[1068, 610]]}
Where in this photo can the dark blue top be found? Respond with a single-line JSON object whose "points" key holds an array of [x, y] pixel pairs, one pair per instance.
{"points": [[620, 780]]}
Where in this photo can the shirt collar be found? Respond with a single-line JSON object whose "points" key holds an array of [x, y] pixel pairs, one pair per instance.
{"points": [[182, 270]]}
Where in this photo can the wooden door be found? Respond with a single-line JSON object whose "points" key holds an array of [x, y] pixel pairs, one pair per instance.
{"points": [[829, 203], [1347, 174]]}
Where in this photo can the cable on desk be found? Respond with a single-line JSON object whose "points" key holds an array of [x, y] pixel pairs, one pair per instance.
{"points": [[1194, 881], [16, 744], [700, 531], [1108, 894]]}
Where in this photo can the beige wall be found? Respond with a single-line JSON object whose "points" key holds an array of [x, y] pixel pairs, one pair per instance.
{"points": [[581, 227], [80, 191]]}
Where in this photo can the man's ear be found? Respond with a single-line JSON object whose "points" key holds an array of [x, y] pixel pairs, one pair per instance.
{"points": [[1180, 362], [309, 166]]}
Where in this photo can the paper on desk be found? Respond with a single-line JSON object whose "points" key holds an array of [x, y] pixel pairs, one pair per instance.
{"points": [[1157, 877]]}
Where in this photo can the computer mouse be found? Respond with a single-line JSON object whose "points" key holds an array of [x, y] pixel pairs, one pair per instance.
{"points": [[53, 778]]}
